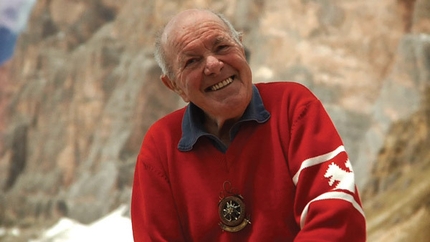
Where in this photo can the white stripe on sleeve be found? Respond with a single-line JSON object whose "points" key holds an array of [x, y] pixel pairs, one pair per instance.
{"points": [[317, 160], [331, 195]]}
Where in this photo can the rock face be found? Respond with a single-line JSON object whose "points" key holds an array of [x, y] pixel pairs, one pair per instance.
{"points": [[83, 87], [398, 192], [401, 94]]}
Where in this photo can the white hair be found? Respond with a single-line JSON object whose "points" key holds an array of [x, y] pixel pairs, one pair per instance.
{"points": [[161, 56]]}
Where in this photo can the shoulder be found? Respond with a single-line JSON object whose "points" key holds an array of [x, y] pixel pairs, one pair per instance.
{"points": [[292, 93], [168, 125], [282, 87]]}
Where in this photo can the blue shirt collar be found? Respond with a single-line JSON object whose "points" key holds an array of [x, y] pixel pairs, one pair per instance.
{"points": [[193, 129]]}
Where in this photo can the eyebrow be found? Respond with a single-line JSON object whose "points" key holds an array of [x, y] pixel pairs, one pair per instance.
{"points": [[219, 39], [190, 53], [184, 56]]}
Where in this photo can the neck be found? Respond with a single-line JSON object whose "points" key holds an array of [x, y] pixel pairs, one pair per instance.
{"points": [[220, 128]]}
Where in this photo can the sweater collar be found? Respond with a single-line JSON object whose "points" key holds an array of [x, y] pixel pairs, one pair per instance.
{"points": [[193, 128]]}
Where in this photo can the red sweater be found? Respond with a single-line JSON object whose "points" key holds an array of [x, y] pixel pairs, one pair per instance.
{"points": [[292, 172]]}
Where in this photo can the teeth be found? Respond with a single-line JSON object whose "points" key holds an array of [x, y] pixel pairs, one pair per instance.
{"points": [[222, 84]]}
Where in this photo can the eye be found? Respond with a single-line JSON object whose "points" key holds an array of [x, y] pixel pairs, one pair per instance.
{"points": [[191, 61], [220, 48]]}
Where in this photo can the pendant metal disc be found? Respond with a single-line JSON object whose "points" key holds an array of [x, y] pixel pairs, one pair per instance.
{"points": [[231, 211]]}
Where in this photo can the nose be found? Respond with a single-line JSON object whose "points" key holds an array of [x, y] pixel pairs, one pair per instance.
{"points": [[213, 65]]}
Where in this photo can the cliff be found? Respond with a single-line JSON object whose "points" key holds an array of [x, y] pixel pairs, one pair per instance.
{"points": [[83, 87]]}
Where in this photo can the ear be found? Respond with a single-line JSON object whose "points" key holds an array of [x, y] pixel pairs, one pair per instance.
{"points": [[172, 86]]}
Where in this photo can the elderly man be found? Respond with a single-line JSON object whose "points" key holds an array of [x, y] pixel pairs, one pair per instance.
{"points": [[241, 162]]}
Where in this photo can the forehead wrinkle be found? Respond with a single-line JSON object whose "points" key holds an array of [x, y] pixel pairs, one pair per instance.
{"points": [[190, 18], [181, 33], [185, 30], [207, 41]]}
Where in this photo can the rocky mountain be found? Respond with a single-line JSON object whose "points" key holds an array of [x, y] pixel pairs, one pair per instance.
{"points": [[83, 87]]}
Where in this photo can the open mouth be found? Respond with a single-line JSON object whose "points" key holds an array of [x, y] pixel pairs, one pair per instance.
{"points": [[221, 84]]}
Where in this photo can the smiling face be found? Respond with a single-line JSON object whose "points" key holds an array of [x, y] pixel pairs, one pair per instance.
{"points": [[209, 66]]}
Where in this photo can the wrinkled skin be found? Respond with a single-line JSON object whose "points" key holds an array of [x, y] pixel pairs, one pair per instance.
{"points": [[203, 54]]}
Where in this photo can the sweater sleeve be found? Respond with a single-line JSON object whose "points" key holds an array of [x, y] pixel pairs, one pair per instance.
{"points": [[327, 204], [153, 213]]}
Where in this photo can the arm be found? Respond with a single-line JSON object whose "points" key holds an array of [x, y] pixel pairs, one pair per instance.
{"points": [[327, 204], [153, 213]]}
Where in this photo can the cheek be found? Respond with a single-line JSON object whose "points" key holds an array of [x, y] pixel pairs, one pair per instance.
{"points": [[181, 80], [184, 88], [191, 82], [181, 90]]}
